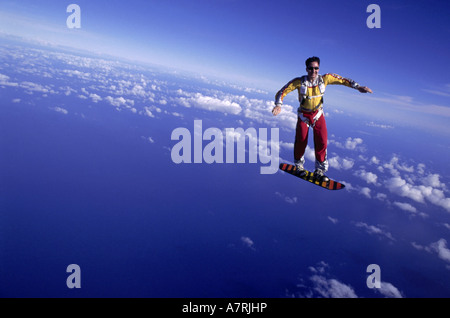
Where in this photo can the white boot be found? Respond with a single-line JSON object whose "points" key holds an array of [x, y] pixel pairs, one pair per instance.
{"points": [[320, 175], [300, 168]]}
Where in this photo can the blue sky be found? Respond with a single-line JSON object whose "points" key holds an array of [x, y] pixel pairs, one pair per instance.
{"points": [[79, 118], [265, 43]]}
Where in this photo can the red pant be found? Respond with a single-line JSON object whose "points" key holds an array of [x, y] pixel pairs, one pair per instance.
{"points": [[320, 139]]}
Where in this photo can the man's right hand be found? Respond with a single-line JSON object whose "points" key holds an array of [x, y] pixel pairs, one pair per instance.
{"points": [[276, 110]]}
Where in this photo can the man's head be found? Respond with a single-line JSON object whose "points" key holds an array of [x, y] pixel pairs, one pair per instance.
{"points": [[312, 67]]}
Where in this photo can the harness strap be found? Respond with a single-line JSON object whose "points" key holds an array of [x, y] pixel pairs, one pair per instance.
{"points": [[311, 97], [310, 118], [321, 85]]}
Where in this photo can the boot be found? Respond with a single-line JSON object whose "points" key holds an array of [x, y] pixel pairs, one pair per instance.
{"points": [[319, 175], [301, 172]]}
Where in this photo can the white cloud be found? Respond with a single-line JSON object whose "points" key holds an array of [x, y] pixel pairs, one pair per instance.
{"points": [[350, 143], [405, 207], [389, 290], [400, 187], [287, 118], [369, 177], [119, 101], [68, 90], [333, 220], [365, 191], [339, 163], [432, 180], [309, 154], [33, 87], [332, 288], [148, 139], [176, 114], [444, 90], [287, 145], [95, 98], [418, 193], [371, 229], [421, 168], [382, 126], [320, 284], [115, 101], [408, 102], [155, 87], [147, 112], [4, 80], [290, 200], [138, 90], [394, 166], [374, 160], [353, 143], [440, 247], [248, 242], [257, 110], [321, 267], [77, 73], [60, 110], [421, 247], [210, 103], [381, 196], [438, 198]]}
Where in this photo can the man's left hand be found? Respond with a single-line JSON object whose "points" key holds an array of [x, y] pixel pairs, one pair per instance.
{"points": [[364, 89]]}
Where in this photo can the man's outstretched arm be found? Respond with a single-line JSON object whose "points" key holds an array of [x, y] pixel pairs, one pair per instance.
{"points": [[289, 87], [334, 79]]}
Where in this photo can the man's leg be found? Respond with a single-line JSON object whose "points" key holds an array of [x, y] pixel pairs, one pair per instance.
{"points": [[320, 144], [301, 140]]}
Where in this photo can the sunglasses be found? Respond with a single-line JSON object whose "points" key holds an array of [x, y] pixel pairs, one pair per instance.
{"points": [[313, 68]]}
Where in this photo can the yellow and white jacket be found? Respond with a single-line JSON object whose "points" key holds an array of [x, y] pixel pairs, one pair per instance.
{"points": [[310, 94]]}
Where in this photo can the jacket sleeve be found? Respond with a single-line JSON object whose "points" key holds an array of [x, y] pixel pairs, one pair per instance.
{"points": [[334, 79], [289, 87]]}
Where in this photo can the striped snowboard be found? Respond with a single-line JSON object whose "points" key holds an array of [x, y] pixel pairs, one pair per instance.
{"points": [[330, 185]]}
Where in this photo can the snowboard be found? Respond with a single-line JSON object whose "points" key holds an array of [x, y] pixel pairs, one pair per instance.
{"points": [[309, 176]]}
